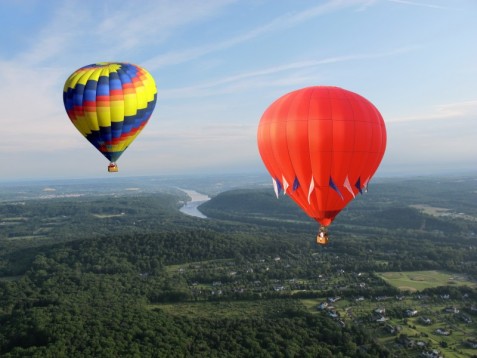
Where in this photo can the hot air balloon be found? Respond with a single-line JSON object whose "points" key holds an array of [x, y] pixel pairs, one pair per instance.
{"points": [[321, 145], [109, 104]]}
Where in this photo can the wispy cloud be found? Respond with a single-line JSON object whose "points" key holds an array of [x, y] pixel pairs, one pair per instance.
{"points": [[55, 38], [113, 28], [279, 23], [420, 4], [138, 23], [205, 89], [465, 109]]}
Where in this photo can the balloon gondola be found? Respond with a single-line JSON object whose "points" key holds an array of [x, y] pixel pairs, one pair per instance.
{"points": [[113, 167], [109, 104], [321, 145]]}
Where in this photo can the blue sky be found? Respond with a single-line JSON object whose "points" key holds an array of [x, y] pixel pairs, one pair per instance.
{"points": [[218, 64]]}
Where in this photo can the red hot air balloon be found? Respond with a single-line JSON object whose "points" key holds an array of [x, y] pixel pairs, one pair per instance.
{"points": [[321, 145]]}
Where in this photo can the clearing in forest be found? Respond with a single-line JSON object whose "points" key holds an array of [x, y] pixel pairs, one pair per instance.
{"points": [[420, 280]]}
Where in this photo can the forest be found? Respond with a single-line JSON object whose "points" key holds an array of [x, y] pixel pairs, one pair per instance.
{"points": [[125, 273]]}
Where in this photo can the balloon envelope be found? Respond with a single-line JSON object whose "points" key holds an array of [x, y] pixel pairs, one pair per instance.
{"points": [[321, 145], [110, 103]]}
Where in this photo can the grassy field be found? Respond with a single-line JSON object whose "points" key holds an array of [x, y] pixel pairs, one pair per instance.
{"points": [[418, 280], [196, 265], [222, 309], [108, 216]]}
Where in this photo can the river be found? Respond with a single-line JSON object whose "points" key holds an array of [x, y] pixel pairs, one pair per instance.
{"points": [[190, 207]]}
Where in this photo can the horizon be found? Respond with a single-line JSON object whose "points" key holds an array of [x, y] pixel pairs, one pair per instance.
{"points": [[265, 176]]}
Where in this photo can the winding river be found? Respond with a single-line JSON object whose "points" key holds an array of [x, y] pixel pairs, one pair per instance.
{"points": [[190, 207]]}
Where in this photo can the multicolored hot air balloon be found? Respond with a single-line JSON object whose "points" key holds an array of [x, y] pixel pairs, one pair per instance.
{"points": [[110, 103], [321, 145]]}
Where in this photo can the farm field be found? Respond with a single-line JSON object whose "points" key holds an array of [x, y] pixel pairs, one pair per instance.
{"points": [[419, 280]]}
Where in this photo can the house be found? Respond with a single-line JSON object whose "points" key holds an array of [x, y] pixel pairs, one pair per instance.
{"points": [[423, 297], [472, 343], [322, 305], [381, 319], [411, 312], [393, 329], [425, 320], [465, 318], [451, 309], [431, 354], [421, 344], [405, 341], [334, 299], [380, 311], [442, 332]]}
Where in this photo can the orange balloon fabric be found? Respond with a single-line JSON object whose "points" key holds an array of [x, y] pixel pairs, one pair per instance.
{"points": [[321, 145]]}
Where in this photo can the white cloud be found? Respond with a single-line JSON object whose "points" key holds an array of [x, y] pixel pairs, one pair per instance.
{"points": [[420, 4], [236, 82], [32, 109], [137, 23], [465, 109], [279, 23]]}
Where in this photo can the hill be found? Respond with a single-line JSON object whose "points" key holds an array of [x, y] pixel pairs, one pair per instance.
{"points": [[442, 207]]}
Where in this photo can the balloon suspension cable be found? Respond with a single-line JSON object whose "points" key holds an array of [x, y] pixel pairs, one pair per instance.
{"points": [[322, 237], [112, 167]]}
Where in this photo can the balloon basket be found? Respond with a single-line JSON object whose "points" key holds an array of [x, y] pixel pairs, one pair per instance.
{"points": [[322, 237], [112, 168]]}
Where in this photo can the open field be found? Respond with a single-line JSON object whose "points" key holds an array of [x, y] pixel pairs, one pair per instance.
{"points": [[431, 210], [438, 212], [107, 216], [190, 266], [223, 309], [420, 280]]}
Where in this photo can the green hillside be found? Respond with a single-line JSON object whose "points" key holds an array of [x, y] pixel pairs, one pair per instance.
{"points": [[259, 205]]}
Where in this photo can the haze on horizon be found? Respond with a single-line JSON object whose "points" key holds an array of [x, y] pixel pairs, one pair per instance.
{"points": [[218, 64]]}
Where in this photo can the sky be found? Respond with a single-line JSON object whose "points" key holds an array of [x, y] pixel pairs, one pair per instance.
{"points": [[218, 64]]}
